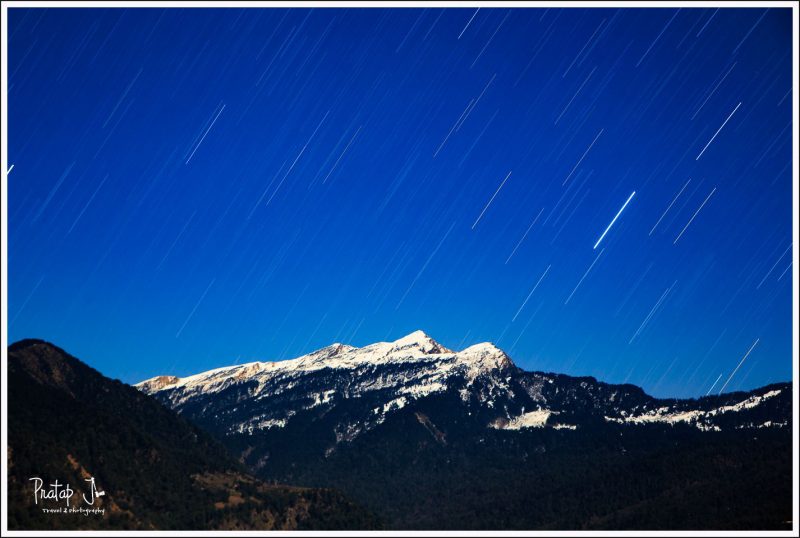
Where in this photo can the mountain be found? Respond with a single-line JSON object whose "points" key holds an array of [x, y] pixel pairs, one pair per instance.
{"points": [[68, 423], [431, 438]]}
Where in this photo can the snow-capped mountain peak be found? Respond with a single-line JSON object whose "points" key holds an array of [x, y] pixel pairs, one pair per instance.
{"points": [[418, 339], [427, 367], [372, 383]]}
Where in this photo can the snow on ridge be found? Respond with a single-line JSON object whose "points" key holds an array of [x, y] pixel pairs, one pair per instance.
{"points": [[696, 417], [749, 403], [416, 348], [156, 383]]}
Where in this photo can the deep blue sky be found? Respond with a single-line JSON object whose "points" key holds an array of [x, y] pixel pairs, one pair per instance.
{"points": [[197, 187]]}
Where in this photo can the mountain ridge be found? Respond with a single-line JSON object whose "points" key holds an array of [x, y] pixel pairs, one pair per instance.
{"points": [[417, 341], [428, 367], [416, 338]]}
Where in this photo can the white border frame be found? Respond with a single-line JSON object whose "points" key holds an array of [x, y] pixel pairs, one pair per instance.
{"points": [[385, 4]]}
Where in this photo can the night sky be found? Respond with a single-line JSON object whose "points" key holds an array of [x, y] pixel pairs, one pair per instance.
{"points": [[193, 188]]}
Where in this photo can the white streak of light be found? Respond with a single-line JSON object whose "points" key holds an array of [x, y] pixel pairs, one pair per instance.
{"points": [[774, 266], [737, 367], [296, 159], [718, 130], [582, 156], [657, 38], [574, 96], [531, 293], [87, 205], [25, 302], [652, 311], [463, 117], [342, 155], [204, 134], [177, 334], [468, 23], [490, 200], [785, 270], [714, 385], [584, 275], [712, 91], [524, 235], [621, 209], [669, 207], [425, 265], [693, 216]]}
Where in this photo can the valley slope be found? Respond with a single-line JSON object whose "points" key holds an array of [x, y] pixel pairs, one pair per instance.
{"points": [[68, 423]]}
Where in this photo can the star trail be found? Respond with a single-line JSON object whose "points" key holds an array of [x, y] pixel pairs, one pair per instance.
{"points": [[194, 186]]}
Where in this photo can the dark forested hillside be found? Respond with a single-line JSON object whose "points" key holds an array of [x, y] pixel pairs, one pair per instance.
{"points": [[67, 422], [610, 477]]}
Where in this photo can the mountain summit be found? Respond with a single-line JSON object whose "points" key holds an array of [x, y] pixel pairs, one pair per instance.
{"points": [[422, 341]]}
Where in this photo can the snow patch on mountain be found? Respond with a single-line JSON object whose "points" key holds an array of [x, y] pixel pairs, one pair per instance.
{"points": [[565, 427], [321, 398], [533, 419], [696, 417], [260, 423]]}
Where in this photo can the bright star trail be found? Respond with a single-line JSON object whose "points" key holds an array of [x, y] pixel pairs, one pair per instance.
{"points": [[738, 366], [718, 130], [255, 184], [531, 293], [714, 384], [582, 157], [694, 215], [652, 311], [539, 214], [204, 134], [664, 214], [468, 23], [621, 209], [578, 285], [490, 201], [785, 252]]}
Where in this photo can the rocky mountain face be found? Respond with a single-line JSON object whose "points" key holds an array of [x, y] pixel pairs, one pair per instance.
{"points": [[69, 424], [432, 438]]}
